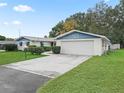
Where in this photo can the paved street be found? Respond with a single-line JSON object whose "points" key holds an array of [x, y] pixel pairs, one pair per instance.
{"points": [[14, 81]]}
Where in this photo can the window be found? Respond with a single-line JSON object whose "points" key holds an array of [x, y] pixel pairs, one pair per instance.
{"points": [[28, 43], [20, 44]]}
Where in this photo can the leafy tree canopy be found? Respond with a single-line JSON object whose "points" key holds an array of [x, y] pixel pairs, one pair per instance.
{"points": [[102, 19], [2, 38]]}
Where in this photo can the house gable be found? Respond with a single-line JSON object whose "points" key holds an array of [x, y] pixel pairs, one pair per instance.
{"points": [[77, 35]]}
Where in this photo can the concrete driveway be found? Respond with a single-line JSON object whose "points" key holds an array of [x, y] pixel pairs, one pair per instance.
{"points": [[15, 81], [27, 76], [49, 66]]}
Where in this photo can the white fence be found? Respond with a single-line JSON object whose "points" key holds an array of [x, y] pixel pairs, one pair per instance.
{"points": [[115, 46]]}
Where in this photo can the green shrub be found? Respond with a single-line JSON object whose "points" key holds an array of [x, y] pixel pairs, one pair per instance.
{"points": [[56, 49], [32, 46], [10, 47], [47, 48], [39, 50], [35, 50]]}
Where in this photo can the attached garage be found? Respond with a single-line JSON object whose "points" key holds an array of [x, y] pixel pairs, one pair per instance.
{"points": [[82, 43], [84, 47]]}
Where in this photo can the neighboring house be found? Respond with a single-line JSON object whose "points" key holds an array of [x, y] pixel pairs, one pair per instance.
{"points": [[2, 43], [24, 41], [82, 43]]}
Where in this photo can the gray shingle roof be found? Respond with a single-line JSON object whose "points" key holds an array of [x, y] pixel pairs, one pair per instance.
{"points": [[36, 38]]}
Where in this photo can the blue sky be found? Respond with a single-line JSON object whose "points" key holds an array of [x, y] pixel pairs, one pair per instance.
{"points": [[37, 17]]}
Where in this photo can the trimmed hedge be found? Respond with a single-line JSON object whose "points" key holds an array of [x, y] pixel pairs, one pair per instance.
{"points": [[56, 49], [30, 46], [47, 48], [10, 47], [35, 50]]}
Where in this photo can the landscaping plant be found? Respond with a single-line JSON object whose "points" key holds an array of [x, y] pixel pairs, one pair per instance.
{"points": [[10, 47], [56, 49]]}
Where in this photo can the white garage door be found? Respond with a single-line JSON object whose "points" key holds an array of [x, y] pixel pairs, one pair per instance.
{"points": [[77, 47]]}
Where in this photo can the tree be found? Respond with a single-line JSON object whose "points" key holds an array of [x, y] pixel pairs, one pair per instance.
{"points": [[56, 30], [102, 19], [119, 25], [69, 25], [2, 38], [45, 36], [9, 39]]}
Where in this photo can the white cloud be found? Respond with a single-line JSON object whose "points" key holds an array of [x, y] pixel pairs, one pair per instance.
{"points": [[3, 4], [16, 22], [5, 23], [23, 8]]}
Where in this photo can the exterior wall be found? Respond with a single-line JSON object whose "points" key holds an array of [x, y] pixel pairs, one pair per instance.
{"points": [[98, 47], [58, 43], [101, 46], [35, 43], [24, 45], [105, 46], [46, 43], [77, 35]]}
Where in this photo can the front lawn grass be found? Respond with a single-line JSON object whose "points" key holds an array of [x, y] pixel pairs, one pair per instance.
{"points": [[103, 74], [12, 57]]}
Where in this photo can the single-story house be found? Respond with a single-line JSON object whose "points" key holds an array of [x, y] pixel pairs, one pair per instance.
{"points": [[82, 43], [2, 43], [24, 41], [73, 42]]}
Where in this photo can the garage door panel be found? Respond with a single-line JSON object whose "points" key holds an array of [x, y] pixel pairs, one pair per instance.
{"points": [[77, 47]]}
